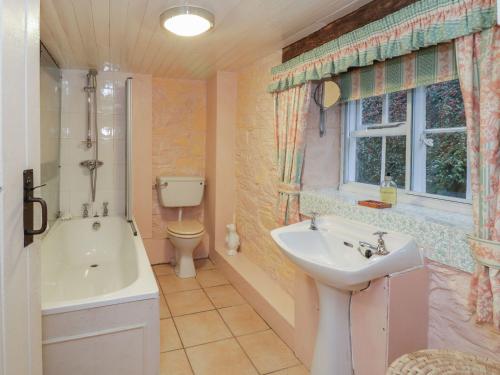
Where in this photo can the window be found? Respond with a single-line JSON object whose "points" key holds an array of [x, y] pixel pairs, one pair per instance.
{"points": [[418, 136]]}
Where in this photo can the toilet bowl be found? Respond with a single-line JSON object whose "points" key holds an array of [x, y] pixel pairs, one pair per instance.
{"points": [[185, 236]]}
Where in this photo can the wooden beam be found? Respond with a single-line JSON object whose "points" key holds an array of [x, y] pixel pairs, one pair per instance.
{"points": [[368, 13]]}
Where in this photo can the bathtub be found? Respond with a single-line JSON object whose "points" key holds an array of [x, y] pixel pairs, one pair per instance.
{"points": [[100, 311]]}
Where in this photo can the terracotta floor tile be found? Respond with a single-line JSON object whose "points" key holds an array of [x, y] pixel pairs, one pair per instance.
{"points": [[243, 320], [174, 363], [220, 358], [224, 296], [188, 302], [209, 278], [267, 352], [172, 284], [163, 269], [200, 328], [164, 311], [204, 264], [296, 370], [169, 339]]}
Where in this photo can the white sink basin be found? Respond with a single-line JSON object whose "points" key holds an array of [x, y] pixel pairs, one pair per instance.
{"points": [[330, 255]]}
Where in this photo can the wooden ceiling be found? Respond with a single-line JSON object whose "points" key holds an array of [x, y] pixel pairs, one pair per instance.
{"points": [[126, 35]]}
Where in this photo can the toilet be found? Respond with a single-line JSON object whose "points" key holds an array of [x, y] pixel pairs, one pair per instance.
{"points": [[185, 235]]}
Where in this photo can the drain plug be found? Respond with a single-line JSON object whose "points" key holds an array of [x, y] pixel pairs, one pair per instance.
{"points": [[94, 265]]}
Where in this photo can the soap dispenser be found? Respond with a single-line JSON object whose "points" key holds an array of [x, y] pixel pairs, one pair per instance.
{"points": [[388, 190]]}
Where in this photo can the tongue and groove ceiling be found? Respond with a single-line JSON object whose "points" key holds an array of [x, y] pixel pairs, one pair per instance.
{"points": [[126, 35]]}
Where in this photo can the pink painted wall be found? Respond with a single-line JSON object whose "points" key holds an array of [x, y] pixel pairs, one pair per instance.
{"points": [[322, 158], [220, 155], [210, 159], [256, 182], [451, 325], [178, 149]]}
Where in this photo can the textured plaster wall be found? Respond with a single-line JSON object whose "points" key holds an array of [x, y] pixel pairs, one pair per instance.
{"points": [[256, 186], [179, 132]]}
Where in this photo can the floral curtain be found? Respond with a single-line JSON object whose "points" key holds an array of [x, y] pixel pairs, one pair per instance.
{"points": [[418, 25], [478, 57], [291, 108], [420, 68]]}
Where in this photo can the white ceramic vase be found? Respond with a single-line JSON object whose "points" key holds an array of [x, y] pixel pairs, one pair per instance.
{"points": [[232, 239]]}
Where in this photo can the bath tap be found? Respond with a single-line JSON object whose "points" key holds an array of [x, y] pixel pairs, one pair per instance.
{"points": [[105, 208], [85, 210]]}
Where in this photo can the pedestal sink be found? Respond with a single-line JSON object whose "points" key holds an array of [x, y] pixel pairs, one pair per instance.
{"points": [[330, 255]]}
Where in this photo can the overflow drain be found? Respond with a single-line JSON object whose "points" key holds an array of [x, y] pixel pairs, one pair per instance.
{"points": [[94, 265]]}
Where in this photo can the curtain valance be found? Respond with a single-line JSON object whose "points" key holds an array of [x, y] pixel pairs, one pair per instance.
{"points": [[424, 67], [422, 24]]}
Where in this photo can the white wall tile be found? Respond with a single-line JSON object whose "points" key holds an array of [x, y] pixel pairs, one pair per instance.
{"points": [[77, 199], [78, 125], [119, 151], [119, 182], [75, 180], [119, 125]]}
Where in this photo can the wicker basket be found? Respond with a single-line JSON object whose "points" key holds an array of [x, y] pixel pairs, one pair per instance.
{"points": [[434, 362]]}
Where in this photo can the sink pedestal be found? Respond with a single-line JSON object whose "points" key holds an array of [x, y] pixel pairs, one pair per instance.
{"points": [[332, 351]]}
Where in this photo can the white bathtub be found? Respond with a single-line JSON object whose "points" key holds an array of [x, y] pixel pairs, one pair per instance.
{"points": [[100, 311]]}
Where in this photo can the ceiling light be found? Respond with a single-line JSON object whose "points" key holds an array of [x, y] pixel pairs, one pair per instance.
{"points": [[187, 20]]}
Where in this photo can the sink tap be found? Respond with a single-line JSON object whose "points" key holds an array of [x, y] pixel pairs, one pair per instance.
{"points": [[381, 249], [314, 216], [85, 210], [367, 249], [104, 208]]}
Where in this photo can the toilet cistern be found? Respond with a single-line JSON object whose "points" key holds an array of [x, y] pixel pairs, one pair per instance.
{"points": [[184, 235]]}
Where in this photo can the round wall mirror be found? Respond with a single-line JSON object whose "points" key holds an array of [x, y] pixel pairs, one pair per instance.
{"points": [[331, 94]]}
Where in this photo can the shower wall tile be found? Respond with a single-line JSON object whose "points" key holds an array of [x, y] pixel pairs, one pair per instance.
{"points": [[111, 106]]}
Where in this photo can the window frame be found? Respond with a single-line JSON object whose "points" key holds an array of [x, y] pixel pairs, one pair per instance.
{"points": [[413, 128]]}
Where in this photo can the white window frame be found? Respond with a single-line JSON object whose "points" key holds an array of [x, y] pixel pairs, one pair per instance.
{"points": [[415, 174], [385, 129]]}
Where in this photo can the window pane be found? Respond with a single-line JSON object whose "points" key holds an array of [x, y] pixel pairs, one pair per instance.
{"points": [[395, 159], [444, 105], [446, 165], [371, 110], [397, 106], [368, 160]]}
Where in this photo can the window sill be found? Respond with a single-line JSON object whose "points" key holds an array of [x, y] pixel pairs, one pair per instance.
{"points": [[451, 211], [441, 234]]}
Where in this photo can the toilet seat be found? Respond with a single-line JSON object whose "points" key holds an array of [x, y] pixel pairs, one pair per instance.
{"points": [[185, 228]]}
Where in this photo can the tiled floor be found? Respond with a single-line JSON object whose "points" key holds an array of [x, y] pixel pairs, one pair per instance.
{"points": [[207, 328]]}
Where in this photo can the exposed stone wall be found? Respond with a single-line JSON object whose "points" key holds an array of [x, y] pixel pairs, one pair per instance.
{"points": [[179, 130], [256, 187]]}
